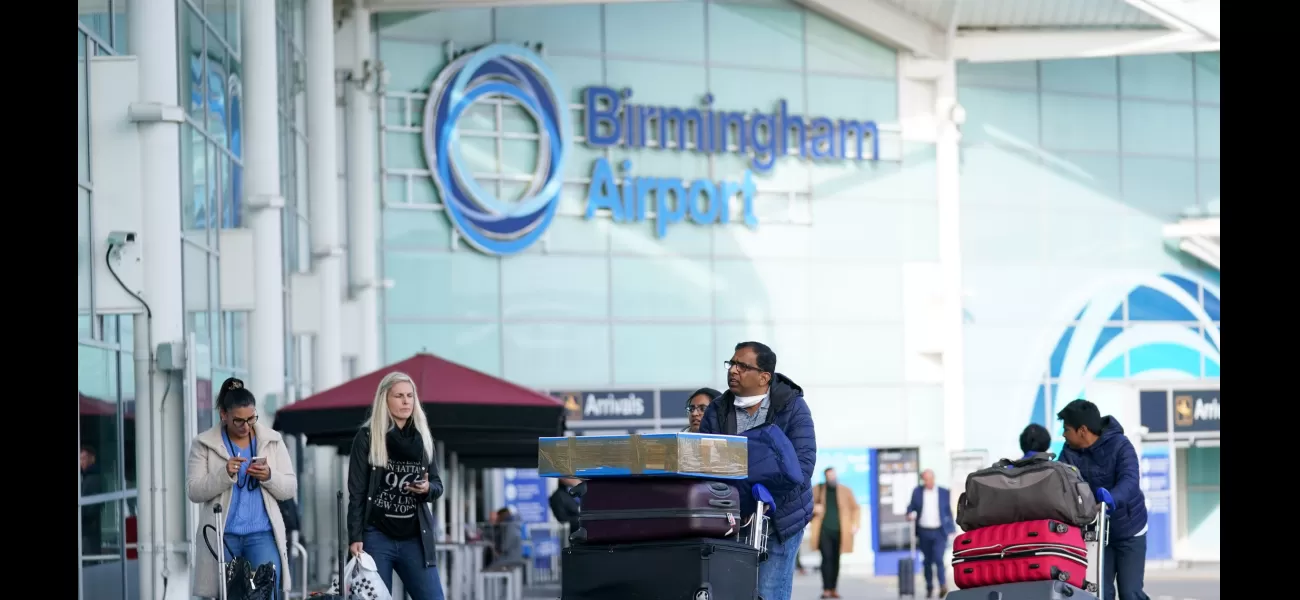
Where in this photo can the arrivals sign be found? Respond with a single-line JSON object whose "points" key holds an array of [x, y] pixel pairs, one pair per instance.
{"points": [[612, 118], [621, 405], [1194, 411]]}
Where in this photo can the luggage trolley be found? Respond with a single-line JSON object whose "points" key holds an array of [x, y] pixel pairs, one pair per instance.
{"points": [[1054, 589], [750, 536], [1098, 532]]}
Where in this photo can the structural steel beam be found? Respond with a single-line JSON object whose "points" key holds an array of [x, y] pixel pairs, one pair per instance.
{"points": [[1013, 46]]}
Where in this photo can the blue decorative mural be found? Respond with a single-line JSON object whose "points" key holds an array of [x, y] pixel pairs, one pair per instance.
{"points": [[1163, 327]]}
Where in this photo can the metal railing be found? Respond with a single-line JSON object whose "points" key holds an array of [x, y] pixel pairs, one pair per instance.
{"points": [[498, 585], [297, 550]]}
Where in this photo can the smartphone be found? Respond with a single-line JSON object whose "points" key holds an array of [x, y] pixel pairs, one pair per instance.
{"points": [[258, 460]]}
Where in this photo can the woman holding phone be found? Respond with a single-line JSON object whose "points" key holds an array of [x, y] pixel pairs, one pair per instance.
{"points": [[391, 480], [245, 467]]}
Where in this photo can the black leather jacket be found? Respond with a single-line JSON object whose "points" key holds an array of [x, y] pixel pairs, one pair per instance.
{"points": [[362, 480]]}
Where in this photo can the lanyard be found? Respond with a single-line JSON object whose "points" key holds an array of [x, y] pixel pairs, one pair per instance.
{"points": [[242, 480]]}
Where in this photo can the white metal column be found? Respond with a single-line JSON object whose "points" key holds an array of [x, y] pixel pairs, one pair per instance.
{"points": [[262, 200], [948, 175], [159, 518], [362, 206], [327, 256]]}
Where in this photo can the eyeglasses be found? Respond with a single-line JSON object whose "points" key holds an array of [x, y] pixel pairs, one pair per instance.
{"points": [[740, 365], [690, 410], [243, 422]]}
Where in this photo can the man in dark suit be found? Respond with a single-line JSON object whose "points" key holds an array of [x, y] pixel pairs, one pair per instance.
{"points": [[931, 508]]}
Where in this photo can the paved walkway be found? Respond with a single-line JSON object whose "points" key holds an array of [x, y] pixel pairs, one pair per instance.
{"points": [[1160, 585]]}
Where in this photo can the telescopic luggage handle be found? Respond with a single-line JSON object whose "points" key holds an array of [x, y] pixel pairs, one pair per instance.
{"points": [[759, 523], [220, 556]]}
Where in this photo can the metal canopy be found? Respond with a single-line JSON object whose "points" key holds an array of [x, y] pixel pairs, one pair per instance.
{"points": [[1021, 30]]}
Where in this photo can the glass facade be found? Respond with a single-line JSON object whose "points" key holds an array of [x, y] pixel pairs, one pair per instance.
{"points": [[211, 181], [1070, 281], [1069, 277], [211, 187], [105, 363], [295, 218], [599, 304]]}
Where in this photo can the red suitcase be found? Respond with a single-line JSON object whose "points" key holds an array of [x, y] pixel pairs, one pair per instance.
{"points": [[1017, 552], [655, 508]]}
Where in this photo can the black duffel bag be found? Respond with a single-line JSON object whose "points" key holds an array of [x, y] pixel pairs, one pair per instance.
{"points": [[1029, 489]]}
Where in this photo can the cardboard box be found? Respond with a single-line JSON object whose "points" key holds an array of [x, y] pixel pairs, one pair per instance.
{"points": [[700, 455]]}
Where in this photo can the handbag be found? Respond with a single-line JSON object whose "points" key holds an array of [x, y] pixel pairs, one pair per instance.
{"points": [[363, 581], [243, 581]]}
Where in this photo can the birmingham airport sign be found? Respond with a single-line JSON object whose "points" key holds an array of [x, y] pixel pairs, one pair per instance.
{"points": [[611, 120]]}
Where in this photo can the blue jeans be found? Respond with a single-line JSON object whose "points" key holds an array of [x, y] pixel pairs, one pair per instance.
{"points": [[407, 558], [1125, 564], [932, 543], [256, 548], [776, 574]]}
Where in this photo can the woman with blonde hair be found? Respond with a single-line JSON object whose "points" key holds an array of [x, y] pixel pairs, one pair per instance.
{"points": [[244, 466], [390, 485]]}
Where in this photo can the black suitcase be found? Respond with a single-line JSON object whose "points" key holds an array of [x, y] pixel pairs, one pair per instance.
{"points": [[907, 571], [696, 569], [1028, 590], [618, 511]]}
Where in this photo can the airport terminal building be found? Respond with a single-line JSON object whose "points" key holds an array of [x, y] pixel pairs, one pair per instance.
{"points": [[943, 237]]}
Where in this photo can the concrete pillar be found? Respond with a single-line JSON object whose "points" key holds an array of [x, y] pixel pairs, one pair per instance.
{"points": [[327, 257], [948, 174], [362, 204], [160, 510], [262, 200]]}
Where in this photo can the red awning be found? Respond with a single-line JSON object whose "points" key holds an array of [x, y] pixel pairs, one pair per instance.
{"points": [[488, 421], [94, 407]]}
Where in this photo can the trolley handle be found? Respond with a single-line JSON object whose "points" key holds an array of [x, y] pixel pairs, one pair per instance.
{"points": [[221, 556]]}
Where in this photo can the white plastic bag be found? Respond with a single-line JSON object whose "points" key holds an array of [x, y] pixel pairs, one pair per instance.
{"points": [[363, 579]]}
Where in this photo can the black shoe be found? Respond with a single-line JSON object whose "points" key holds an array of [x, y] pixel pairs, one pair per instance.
{"points": [[929, 593], [943, 591]]}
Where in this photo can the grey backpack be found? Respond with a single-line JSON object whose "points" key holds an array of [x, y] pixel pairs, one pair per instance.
{"points": [[1029, 489]]}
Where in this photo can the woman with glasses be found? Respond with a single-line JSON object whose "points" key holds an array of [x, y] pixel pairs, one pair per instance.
{"points": [[245, 467], [696, 405]]}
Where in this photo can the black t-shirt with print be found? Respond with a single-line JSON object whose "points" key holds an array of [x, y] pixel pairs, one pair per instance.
{"points": [[394, 511]]}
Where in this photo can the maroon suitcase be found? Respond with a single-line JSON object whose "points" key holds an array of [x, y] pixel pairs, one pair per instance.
{"points": [[649, 509]]}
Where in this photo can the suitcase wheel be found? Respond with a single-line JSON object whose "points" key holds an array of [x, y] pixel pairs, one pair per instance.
{"points": [[1060, 528], [1091, 588], [1090, 536]]}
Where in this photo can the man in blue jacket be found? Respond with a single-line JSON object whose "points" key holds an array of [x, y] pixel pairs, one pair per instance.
{"points": [[1096, 445], [931, 508], [757, 395]]}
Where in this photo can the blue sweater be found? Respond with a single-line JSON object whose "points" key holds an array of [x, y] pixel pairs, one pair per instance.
{"points": [[1112, 463], [788, 412]]}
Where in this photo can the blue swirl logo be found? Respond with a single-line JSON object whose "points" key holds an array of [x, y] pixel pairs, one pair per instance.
{"points": [[503, 71]]}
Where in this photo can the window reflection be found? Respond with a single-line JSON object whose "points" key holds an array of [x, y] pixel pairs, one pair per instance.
{"points": [[222, 185], [102, 536]]}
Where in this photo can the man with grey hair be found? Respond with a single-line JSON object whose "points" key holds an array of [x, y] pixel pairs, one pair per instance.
{"points": [[931, 508]]}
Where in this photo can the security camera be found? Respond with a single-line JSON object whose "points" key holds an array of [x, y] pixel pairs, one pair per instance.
{"points": [[117, 239]]}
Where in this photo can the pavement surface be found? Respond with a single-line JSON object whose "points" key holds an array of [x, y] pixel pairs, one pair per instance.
{"points": [[1181, 584], [1160, 585]]}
